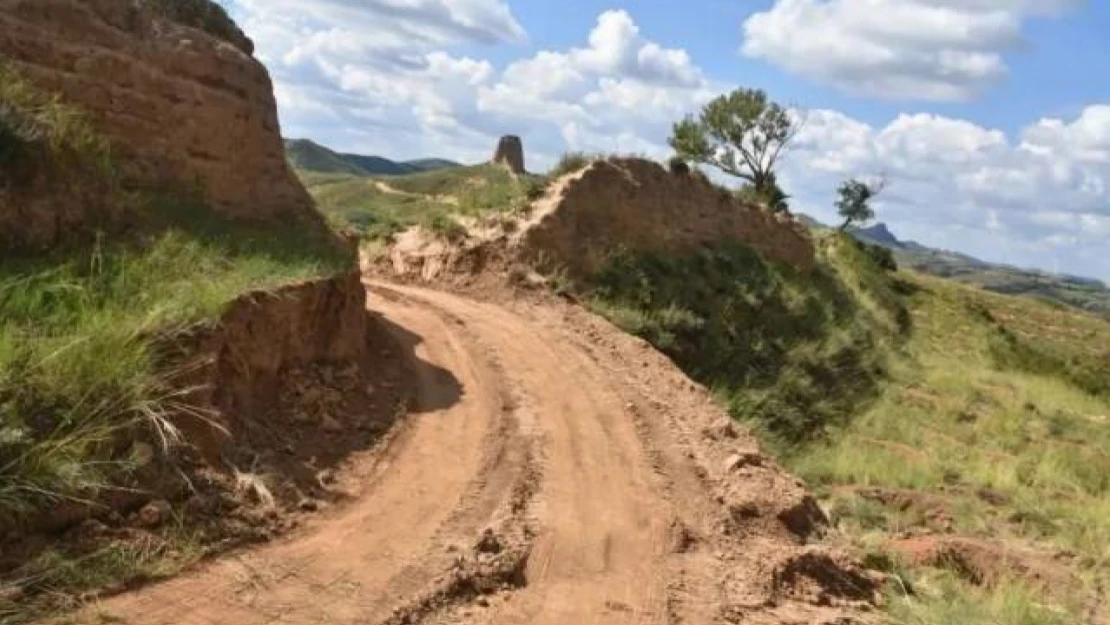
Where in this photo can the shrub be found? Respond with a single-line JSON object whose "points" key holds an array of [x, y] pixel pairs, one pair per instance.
{"points": [[881, 256], [445, 226], [795, 354], [570, 163], [678, 166], [536, 189]]}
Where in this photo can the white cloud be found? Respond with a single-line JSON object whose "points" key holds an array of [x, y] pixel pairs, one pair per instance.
{"points": [[1039, 198], [1035, 197], [920, 49]]}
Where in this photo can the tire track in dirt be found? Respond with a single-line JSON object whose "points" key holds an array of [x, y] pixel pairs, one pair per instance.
{"points": [[599, 555], [581, 452], [449, 467]]}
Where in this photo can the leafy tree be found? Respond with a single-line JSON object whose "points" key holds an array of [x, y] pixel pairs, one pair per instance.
{"points": [[743, 134], [854, 202]]}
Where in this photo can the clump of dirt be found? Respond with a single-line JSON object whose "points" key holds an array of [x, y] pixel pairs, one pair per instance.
{"points": [[269, 449], [496, 564], [820, 577], [985, 562]]}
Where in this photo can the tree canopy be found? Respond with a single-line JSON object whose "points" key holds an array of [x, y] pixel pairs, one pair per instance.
{"points": [[743, 134], [854, 201]]}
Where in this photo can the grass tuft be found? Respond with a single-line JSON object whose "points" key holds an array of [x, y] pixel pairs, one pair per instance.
{"points": [[78, 335], [571, 162]]}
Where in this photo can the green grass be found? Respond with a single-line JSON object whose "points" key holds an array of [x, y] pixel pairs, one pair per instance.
{"points": [[862, 378], [793, 354], [941, 598], [36, 126], [82, 372], [431, 199], [55, 577], [78, 330], [993, 394]]}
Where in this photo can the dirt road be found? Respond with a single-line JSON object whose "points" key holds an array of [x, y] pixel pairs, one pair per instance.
{"points": [[553, 470]]}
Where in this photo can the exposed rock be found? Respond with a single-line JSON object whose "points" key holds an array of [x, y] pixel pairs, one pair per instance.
{"points": [[155, 513], [805, 518], [746, 459], [488, 543], [177, 103], [722, 430], [510, 153], [825, 578], [983, 561]]}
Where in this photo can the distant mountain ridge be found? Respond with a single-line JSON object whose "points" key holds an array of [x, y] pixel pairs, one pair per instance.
{"points": [[1085, 293], [308, 155]]}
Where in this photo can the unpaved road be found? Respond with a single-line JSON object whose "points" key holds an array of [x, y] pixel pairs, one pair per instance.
{"points": [[599, 468]]}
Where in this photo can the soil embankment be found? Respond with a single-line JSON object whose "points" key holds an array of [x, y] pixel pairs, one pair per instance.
{"points": [[552, 470]]}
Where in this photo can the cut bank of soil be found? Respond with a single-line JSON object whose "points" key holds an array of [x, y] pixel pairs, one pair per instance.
{"points": [[552, 470]]}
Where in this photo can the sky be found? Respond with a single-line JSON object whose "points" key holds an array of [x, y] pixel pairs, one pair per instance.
{"points": [[989, 119]]}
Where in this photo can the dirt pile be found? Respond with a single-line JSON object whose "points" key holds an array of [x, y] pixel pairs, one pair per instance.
{"points": [[288, 384], [587, 216], [637, 204], [177, 94]]}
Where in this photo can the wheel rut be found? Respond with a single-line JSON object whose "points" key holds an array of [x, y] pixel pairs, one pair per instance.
{"points": [[540, 477]]}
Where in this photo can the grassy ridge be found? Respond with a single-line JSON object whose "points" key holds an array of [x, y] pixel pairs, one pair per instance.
{"points": [[991, 410], [382, 207], [78, 323], [76, 330], [792, 354]]}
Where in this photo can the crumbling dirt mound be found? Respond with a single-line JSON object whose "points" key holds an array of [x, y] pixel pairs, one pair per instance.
{"points": [[552, 470], [637, 204], [180, 105], [986, 562], [294, 387], [587, 216]]}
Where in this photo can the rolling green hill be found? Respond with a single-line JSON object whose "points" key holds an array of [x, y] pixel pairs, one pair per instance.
{"points": [[379, 207], [1083, 293], [307, 155]]}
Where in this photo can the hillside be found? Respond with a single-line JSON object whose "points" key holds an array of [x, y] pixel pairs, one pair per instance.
{"points": [[152, 296], [1082, 293], [956, 438], [378, 208], [309, 156], [615, 393]]}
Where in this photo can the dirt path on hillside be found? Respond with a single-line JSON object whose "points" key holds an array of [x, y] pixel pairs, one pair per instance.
{"points": [[574, 476], [385, 187]]}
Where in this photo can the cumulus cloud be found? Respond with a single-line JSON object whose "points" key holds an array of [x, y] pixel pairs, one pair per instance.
{"points": [[1036, 198], [1032, 197], [920, 49], [389, 76]]}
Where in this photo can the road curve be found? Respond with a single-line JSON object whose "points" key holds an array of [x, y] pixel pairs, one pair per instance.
{"points": [[624, 508]]}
